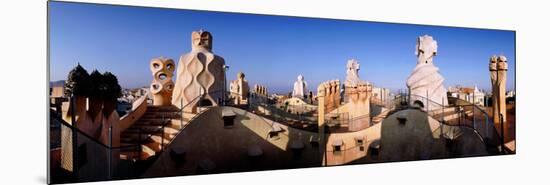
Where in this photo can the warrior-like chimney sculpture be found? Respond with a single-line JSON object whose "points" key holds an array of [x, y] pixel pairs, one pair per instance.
{"points": [[425, 83]]}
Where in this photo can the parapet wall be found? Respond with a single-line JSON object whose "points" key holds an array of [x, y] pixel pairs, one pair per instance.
{"points": [[330, 91], [138, 109]]}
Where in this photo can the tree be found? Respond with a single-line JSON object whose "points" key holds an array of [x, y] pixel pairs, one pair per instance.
{"points": [[97, 85], [77, 83], [112, 88]]}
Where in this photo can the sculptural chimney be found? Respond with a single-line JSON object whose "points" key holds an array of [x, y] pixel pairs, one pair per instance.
{"points": [[162, 84], [200, 73], [498, 67], [425, 83]]}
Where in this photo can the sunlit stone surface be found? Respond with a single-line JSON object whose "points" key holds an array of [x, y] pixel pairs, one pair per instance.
{"points": [[425, 83], [239, 89], [199, 72], [162, 84], [498, 67]]}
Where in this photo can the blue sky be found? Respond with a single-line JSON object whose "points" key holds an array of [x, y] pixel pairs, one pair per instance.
{"points": [[270, 50]]}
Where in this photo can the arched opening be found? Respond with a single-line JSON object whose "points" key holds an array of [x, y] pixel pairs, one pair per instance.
{"points": [[418, 104], [205, 103], [163, 76]]}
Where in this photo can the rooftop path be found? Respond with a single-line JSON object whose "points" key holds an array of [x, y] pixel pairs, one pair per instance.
{"points": [[246, 145]]}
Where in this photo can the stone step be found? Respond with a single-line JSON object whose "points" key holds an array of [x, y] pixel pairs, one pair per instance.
{"points": [[132, 153], [156, 146], [133, 138], [380, 117], [150, 128], [163, 108], [160, 116], [445, 110], [158, 139], [175, 124], [147, 152], [129, 155], [188, 115], [145, 129], [155, 119], [452, 115]]}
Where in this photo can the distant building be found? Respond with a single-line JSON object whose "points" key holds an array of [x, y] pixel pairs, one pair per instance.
{"points": [[381, 94], [472, 95], [57, 95], [510, 94], [57, 89], [139, 92]]}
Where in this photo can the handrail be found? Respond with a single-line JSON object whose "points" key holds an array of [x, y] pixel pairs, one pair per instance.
{"points": [[273, 122], [385, 103], [489, 125], [360, 117], [271, 107], [476, 106], [137, 106], [427, 100], [303, 117], [165, 123], [181, 111], [277, 114], [228, 93], [197, 115]]}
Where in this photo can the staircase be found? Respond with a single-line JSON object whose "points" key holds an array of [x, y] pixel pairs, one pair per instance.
{"points": [[451, 116], [152, 132], [380, 117], [462, 114]]}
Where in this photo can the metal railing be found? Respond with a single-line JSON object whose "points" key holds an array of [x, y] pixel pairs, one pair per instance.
{"points": [[91, 159], [267, 108], [338, 122], [460, 113], [94, 160]]}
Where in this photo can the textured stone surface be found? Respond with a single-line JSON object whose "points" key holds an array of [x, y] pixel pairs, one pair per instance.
{"points": [[199, 72], [357, 95], [419, 137], [300, 87], [359, 105], [498, 68], [352, 73], [425, 83], [162, 84], [330, 91]]}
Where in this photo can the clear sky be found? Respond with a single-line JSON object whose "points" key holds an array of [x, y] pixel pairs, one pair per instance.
{"points": [[270, 50]]}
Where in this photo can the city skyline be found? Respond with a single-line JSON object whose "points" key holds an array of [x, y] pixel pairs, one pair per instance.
{"points": [[270, 50]]}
